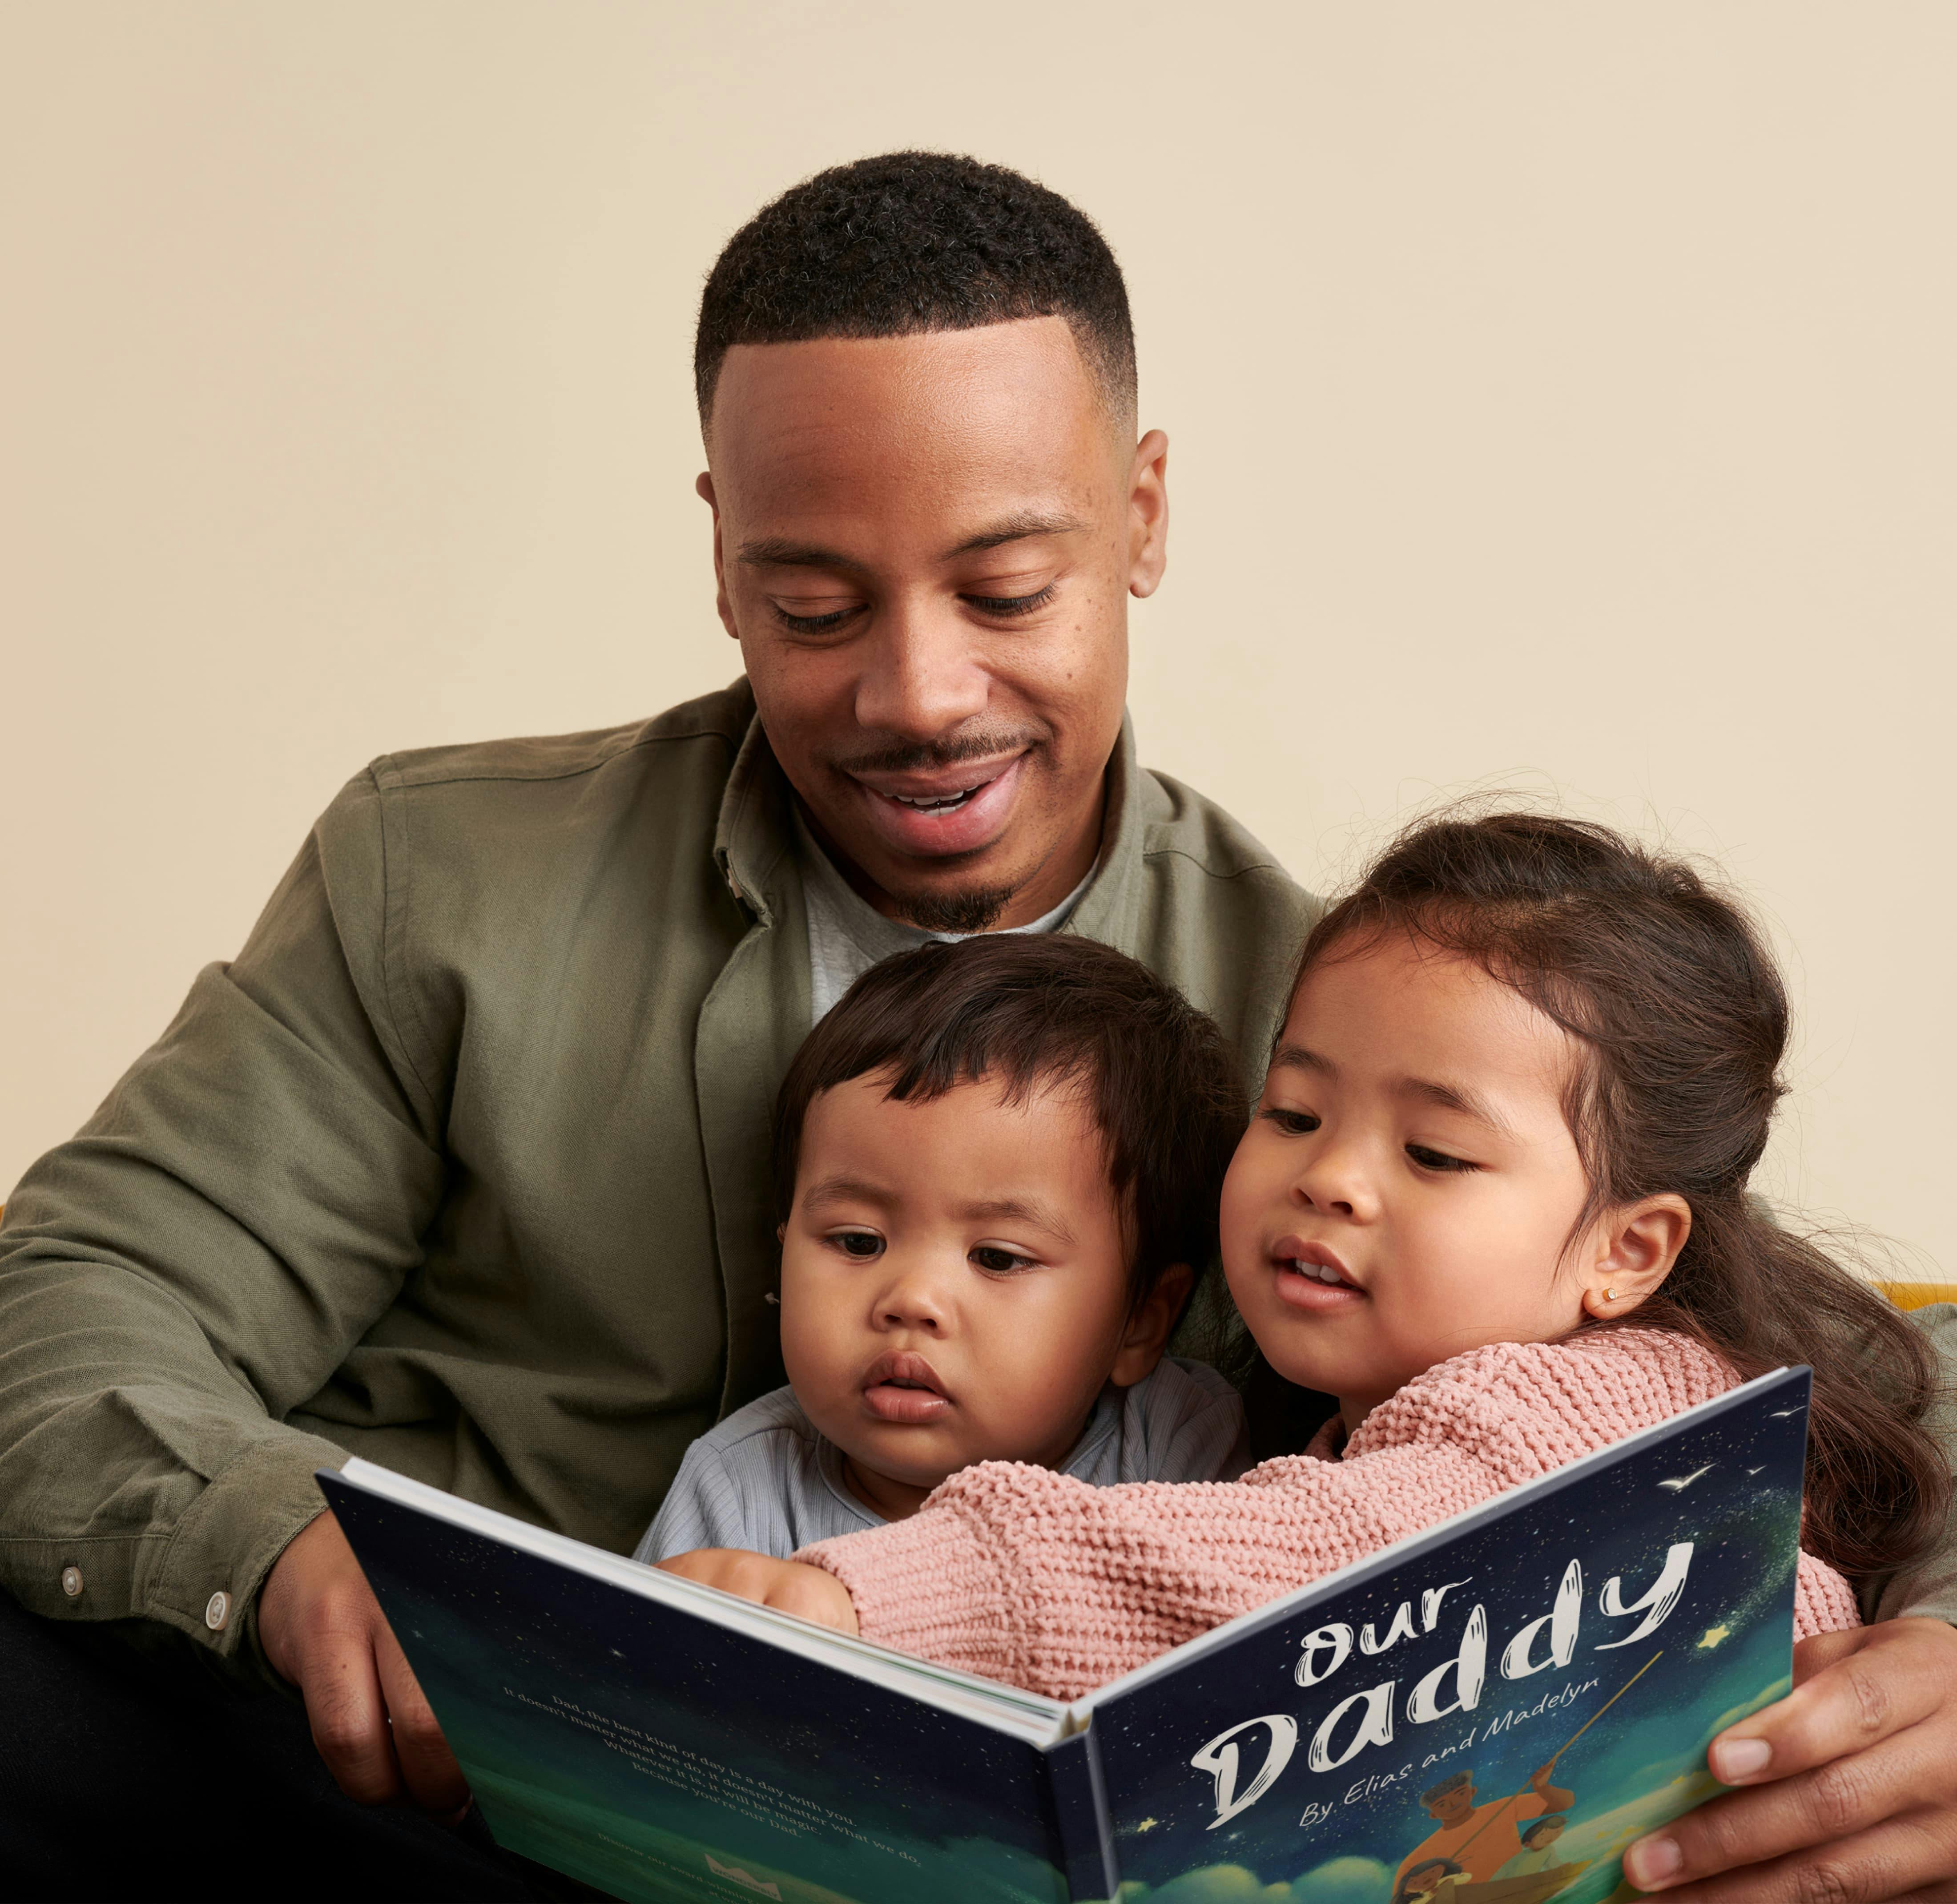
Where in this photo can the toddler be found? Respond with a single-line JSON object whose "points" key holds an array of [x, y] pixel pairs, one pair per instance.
{"points": [[996, 1169], [1494, 1199]]}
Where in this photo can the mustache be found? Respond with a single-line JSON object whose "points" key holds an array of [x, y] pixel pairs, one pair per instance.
{"points": [[949, 750]]}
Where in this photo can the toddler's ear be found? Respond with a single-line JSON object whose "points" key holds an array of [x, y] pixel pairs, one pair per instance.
{"points": [[1151, 1326]]}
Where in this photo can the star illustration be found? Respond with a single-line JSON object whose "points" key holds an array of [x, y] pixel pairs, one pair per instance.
{"points": [[1714, 1635]]}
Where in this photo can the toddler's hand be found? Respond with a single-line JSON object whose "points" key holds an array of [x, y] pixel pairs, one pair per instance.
{"points": [[788, 1586]]}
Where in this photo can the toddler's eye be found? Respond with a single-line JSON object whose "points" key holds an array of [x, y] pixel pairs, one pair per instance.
{"points": [[859, 1245], [995, 1260], [1437, 1159], [1293, 1123]]}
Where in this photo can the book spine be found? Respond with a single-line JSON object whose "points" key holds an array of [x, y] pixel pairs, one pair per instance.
{"points": [[1080, 1814]]}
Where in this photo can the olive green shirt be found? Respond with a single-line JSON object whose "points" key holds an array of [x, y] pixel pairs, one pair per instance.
{"points": [[462, 1164]]}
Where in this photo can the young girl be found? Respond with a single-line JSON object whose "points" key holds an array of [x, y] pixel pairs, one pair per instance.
{"points": [[1494, 1200]]}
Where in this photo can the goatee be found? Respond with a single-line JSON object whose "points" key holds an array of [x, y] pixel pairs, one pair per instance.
{"points": [[960, 912]]}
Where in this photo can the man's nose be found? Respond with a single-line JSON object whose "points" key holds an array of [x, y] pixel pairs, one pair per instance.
{"points": [[922, 676]]}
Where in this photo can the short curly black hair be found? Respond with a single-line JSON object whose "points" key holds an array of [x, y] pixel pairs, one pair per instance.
{"points": [[909, 242]]}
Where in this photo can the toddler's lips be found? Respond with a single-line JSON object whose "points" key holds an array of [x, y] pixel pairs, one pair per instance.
{"points": [[1310, 1277], [904, 1388]]}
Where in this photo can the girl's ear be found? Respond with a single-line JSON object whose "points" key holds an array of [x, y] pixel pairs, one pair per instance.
{"points": [[1151, 1326], [1632, 1252]]}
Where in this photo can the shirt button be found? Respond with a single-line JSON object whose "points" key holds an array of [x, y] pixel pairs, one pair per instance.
{"points": [[216, 1611], [71, 1582]]}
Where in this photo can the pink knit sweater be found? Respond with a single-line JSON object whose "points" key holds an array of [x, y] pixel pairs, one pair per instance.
{"points": [[1029, 1577]]}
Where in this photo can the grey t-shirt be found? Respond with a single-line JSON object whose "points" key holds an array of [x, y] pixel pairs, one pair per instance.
{"points": [[847, 935], [766, 1480]]}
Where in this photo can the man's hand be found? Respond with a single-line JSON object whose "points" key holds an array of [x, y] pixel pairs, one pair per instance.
{"points": [[321, 1627], [789, 1587], [1854, 1779]]}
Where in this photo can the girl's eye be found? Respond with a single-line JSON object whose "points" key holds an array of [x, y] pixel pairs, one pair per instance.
{"points": [[996, 1260], [1437, 1159], [1293, 1123], [859, 1245], [1012, 605]]}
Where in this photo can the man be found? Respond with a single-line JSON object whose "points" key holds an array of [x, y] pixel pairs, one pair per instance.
{"points": [[1480, 1839], [461, 1165]]}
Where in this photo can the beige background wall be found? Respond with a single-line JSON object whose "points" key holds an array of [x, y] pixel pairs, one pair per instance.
{"points": [[1562, 396]]}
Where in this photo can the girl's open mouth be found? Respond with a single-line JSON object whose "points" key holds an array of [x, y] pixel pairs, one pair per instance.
{"points": [[1310, 1277]]}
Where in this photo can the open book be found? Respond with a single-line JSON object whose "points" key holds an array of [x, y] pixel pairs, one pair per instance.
{"points": [[1570, 1647]]}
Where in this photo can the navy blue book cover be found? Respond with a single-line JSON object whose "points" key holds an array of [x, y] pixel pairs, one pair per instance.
{"points": [[1487, 1714]]}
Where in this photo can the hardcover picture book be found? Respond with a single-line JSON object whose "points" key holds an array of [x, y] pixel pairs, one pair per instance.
{"points": [[1487, 1713]]}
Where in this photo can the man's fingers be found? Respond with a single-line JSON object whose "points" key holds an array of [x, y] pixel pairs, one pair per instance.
{"points": [[1909, 1856], [1820, 1650], [428, 1768], [343, 1703], [1855, 1701], [1822, 1807]]}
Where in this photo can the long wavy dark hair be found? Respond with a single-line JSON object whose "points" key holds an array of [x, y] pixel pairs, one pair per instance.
{"points": [[1667, 987]]}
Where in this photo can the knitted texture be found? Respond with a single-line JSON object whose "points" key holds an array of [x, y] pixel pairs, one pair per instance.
{"points": [[1028, 1577]]}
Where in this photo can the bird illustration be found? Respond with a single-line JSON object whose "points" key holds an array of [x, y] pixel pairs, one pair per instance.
{"points": [[1679, 1486], [1781, 1414], [1757, 1471]]}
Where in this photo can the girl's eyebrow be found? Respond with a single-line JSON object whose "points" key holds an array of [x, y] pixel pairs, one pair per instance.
{"points": [[1462, 1098]]}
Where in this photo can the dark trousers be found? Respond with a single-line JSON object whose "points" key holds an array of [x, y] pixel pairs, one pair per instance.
{"points": [[127, 1773]]}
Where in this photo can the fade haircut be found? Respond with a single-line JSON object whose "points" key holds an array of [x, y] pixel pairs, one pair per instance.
{"points": [[1023, 1011], [911, 242]]}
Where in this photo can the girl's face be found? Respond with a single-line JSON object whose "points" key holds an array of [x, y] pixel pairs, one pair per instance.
{"points": [[1407, 1187]]}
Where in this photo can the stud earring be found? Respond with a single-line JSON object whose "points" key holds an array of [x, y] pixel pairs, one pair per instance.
{"points": [[1610, 1295]]}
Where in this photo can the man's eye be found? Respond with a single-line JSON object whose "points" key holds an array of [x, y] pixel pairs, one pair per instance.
{"points": [[1011, 605], [859, 1245], [1437, 1159], [825, 623], [996, 1261], [1293, 1123]]}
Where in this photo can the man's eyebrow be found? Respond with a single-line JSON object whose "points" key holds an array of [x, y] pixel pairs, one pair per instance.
{"points": [[1017, 527], [1017, 1210], [779, 551], [783, 551], [1462, 1098]]}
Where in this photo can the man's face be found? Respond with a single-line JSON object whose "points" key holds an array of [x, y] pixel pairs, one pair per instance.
{"points": [[1452, 1807], [925, 546]]}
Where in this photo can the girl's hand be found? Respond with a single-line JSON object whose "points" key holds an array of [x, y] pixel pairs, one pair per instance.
{"points": [[788, 1586]]}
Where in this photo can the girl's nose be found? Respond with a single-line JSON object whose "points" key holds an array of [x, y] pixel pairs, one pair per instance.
{"points": [[1334, 1183]]}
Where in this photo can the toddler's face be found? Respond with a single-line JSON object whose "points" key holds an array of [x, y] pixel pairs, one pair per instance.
{"points": [[954, 1281], [1407, 1187]]}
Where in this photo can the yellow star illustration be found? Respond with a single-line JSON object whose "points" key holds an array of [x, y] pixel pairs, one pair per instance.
{"points": [[1713, 1635]]}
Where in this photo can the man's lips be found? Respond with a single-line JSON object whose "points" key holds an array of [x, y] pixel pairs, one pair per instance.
{"points": [[1310, 1277], [945, 811], [904, 1388]]}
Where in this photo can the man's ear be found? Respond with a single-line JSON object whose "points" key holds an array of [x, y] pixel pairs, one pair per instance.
{"points": [[1630, 1253], [1152, 1324], [1148, 514], [702, 487]]}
